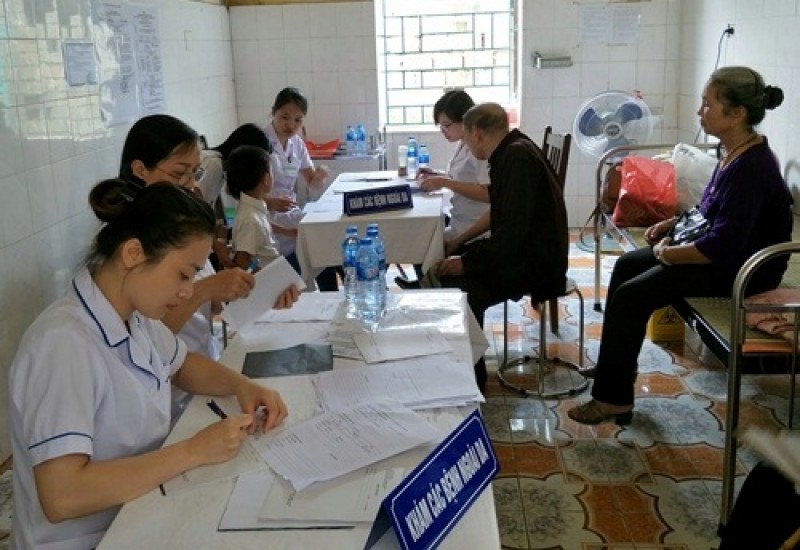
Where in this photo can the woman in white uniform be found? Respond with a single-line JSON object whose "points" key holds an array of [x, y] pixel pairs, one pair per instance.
{"points": [[89, 402], [466, 176], [288, 114], [163, 148]]}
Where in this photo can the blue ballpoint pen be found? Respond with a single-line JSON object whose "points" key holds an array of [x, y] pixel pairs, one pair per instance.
{"points": [[254, 264], [217, 410]]}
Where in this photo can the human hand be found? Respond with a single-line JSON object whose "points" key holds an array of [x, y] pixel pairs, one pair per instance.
{"points": [[656, 231], [280, 204], [227, 285], [220, 441], [658, 250], [433, 183], [287, 298], [263, 404], [320, 175], [451, 246], [220, 248], [451, 267]]}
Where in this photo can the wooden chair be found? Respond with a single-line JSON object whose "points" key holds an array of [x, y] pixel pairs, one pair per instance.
{"points": [[556, 148]]}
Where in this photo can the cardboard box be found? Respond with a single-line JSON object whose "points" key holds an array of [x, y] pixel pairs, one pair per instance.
{"points": [[665, 325]]}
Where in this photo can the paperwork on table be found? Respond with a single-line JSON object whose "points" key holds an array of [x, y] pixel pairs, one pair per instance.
{"points": [[271, 281], [396, 344], [336, 443], [311, 307], [419, 383]]}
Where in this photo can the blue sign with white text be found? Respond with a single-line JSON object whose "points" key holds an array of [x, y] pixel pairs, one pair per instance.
{"points": [[435, 495], [369, 201]]}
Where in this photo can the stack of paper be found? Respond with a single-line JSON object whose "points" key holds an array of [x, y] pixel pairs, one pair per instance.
{"points": [[401, 343], [421, 383], [337, 443]]}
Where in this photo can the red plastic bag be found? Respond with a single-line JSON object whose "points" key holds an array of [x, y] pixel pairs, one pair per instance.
{"points": [[647, 192]]}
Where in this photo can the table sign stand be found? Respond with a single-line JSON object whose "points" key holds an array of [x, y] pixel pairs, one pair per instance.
{"points": [[369, 201], [428, 503]]}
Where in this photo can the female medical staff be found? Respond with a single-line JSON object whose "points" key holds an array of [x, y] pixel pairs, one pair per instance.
{"points": [[89, 401], [163, 148], [288, 113]]}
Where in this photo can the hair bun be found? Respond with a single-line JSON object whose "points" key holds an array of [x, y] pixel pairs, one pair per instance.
{"points": [[109, 198], [773, 97]]}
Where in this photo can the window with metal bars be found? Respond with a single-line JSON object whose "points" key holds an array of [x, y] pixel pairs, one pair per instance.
{"points": [[428, 46]]}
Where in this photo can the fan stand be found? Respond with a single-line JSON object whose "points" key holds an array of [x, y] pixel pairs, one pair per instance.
{"points": [[608, 244]]}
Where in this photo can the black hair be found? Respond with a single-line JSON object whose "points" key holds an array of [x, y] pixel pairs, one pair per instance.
{"points": [[744, 87], [152, 139], [161, 216], [246, 168], [290, 95], [454, 104], [246, 134]]}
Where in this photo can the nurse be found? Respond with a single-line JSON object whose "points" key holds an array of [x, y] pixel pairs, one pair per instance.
{"points": [[288, 114], [164, 148], [89, 403]]}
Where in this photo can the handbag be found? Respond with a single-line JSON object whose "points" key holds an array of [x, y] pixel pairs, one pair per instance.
{"points": [[690, 226]]}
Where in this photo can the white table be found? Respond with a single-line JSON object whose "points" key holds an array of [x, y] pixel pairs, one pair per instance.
{"points": [[412, 236], [189, 518]]}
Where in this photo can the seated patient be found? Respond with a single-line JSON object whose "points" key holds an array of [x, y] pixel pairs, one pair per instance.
{"points": [[528, 248], [89, 399], [249, 181]]}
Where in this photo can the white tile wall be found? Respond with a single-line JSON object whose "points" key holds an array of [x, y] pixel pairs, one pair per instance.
{"points": [[54, 147]]}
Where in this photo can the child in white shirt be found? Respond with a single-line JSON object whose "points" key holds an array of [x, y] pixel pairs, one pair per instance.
{"points": [[249, 181]]}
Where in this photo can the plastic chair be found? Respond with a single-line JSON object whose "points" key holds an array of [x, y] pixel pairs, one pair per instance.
{"points": [[556, 148]]}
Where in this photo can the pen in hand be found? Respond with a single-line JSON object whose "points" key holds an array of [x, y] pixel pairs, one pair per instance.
{"points": [[254, 265], [216, 409]]}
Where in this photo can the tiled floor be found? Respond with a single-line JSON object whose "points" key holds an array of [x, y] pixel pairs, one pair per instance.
{"points": [[654, 484]]}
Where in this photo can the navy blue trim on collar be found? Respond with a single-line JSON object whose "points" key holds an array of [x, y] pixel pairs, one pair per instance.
{"points": [[125, 340]]}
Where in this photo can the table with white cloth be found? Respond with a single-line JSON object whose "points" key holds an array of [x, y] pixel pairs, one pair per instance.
{"points": [[189, 518], [413, 236]]}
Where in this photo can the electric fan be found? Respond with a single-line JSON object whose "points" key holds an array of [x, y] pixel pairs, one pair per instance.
{"points": [[610, 119]]}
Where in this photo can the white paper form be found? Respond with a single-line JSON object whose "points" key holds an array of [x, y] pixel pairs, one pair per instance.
{"points": [[244, 505], [337, 443], [355, 497], [246, 461], [425, 382], [271, 281], [312, 306], [400, 344]]}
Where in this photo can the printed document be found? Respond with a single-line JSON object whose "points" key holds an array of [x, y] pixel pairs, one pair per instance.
{"points": [[336, 443], [399, 344], [271, 281]]}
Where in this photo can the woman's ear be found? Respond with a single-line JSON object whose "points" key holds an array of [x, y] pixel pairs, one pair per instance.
{"points": [[139, 169], [132, 253]]}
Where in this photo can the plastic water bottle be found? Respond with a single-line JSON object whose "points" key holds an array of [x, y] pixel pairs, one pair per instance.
{"points": [[350, 137], [424, 157], [369, 292], [412, 157], [361, 140], [349, 258], [380, 250]]}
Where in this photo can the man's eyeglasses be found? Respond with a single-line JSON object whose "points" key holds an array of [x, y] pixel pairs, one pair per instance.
{"points": [[183, 179]]}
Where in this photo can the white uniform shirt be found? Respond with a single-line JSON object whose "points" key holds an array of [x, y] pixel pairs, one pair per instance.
{"points": [[465, 167], [196, 333], [289, 162], [80, 383], [213, 181], [252, 232]]}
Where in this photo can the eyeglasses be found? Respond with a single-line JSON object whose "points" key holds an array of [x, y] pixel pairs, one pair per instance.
{"points": [[184, 178]]}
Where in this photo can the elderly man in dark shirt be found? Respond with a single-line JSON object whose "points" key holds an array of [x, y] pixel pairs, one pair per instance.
{"points": [[528, 248]]}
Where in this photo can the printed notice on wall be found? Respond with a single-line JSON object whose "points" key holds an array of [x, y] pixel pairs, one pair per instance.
{"points": [[610, 25], [129, 60], [80, 64], [148, 59]]}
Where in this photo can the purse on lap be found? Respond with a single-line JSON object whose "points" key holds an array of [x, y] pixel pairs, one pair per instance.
{"points": [[691, 225]]}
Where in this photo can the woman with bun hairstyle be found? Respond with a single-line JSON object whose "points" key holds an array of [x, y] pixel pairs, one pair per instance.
{"points": [[163, 148], [89, 400], [748, 207]]}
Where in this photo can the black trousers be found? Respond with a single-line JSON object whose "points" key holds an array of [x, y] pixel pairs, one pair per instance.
{"points": [[766, 513], [639, 285]]}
